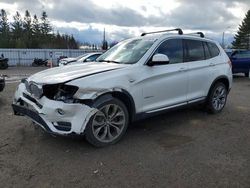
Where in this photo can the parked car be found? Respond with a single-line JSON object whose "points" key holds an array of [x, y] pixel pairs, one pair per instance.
{"points": [[136, 79], [88, 57], [2, 83], [240, 61]]}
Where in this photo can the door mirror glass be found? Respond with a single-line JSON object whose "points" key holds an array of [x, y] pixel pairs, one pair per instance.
{"points": [[159, 59]]}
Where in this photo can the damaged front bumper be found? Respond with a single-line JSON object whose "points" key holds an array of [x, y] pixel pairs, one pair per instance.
{"points": [[53, 116]]}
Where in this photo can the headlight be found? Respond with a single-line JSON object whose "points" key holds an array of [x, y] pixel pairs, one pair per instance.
{"points": [[65, 93]]}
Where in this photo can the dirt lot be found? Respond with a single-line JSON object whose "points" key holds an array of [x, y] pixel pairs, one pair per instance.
{"points": [[185, 148]]}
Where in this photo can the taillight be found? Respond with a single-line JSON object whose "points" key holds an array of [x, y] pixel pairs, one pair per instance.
{"points": [[230, 63]]}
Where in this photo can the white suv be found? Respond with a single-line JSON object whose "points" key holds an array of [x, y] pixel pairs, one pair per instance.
{"points": [[135, 79]]}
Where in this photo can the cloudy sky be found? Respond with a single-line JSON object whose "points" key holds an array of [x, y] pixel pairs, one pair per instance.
{"points": [[85, 19]]}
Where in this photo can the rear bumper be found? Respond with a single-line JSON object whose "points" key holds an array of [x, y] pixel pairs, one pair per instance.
{"points": [[55, 117]]}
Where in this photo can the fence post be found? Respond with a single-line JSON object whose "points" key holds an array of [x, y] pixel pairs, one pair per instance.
{"points": [[19, 58]]}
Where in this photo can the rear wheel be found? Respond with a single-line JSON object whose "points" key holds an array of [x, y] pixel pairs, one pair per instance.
{"points": [[109, 124], [217, 98]]}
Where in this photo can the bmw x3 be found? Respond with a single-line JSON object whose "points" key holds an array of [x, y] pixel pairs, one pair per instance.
{"points": [[135, 79]]}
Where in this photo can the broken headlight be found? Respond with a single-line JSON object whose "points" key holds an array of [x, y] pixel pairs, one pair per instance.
{"points": [[65, 93], [60, 92]]}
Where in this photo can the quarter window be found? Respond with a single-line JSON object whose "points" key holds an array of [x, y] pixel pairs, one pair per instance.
{"points": [[214, 50], [173, 49], [206, 50]]}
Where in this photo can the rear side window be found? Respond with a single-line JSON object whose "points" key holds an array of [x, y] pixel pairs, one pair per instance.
{"points": [[195, 50], [173, 49], [242, 54], [206, 50], [214, 50]]}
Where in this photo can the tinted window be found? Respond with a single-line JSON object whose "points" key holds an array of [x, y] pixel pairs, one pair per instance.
{"points": [[242, 54], [93, 57], [173, 49], [214, 50], [195, 51], [206, 50]]}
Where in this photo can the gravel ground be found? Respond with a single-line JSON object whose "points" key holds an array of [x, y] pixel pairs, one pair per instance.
{"points": [[185, 148]]}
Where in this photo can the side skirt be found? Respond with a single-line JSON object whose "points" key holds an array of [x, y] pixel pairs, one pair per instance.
{"points": [[151, 113]]}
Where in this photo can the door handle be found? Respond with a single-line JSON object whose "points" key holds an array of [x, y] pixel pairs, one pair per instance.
{"points": [[211, 64]]}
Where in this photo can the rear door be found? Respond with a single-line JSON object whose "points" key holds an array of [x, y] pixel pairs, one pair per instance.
{"points": [[241, 61], [200, 67]]}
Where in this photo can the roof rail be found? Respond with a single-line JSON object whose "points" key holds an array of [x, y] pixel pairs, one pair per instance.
{"points": [[197, 33], [180, 32]]}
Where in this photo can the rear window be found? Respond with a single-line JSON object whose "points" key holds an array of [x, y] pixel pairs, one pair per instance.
{"points": [[214, 50], [195, 50]]}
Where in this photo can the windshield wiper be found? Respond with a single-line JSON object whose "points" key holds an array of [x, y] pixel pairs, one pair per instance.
{"points": [[110, 61]]}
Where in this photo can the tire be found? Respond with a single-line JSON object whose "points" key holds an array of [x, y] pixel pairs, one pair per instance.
{"points": [[247, 74], [3, 65], [102, 129], [217, 98]]}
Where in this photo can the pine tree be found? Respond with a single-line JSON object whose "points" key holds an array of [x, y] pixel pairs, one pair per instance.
{"points": [[242, 38], [27, 28], [4, 30], [4, 25], [45, 25], [17, 26], [36, 33], [32, 33]]}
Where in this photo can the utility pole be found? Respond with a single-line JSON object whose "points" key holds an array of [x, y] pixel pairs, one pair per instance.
{"points": [[104, 42], [223, 40]]}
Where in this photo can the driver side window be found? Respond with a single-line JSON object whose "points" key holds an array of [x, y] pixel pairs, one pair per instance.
{"points": [[173, 48]]}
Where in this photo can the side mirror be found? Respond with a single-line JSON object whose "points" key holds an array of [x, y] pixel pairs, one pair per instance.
{"points": [[159, 59], [87, 60]]}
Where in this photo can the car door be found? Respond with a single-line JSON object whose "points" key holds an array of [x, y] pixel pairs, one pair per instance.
{"points": [[241, 61], [165, 86], [200, 67]]}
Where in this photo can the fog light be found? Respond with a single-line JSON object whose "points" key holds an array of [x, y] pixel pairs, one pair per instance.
{"points": [[60, 111]]}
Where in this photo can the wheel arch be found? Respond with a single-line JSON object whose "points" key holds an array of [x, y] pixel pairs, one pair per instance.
{"points": [[120, 94], [222, 79]]}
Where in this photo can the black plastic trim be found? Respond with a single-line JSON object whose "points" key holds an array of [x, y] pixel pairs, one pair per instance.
{"points": [[32, 114], [144, 115]]}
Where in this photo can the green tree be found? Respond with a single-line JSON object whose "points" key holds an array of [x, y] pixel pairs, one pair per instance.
{"points": [[4, 30], [45, 24], [242, 38], [36, 33], [17, 26], [27, 28]]}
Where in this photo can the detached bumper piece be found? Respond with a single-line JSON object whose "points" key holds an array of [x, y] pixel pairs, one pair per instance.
{"points": [[20, 110]]}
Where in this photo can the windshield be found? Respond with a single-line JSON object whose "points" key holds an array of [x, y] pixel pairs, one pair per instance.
{"points": [[127, 52]]}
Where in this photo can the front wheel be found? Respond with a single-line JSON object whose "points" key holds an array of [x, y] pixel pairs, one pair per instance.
{"points": [[217, 98], [109, 124]]}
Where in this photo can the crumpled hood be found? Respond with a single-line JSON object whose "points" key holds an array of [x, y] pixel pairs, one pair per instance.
{"points": [[67, 73]]}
